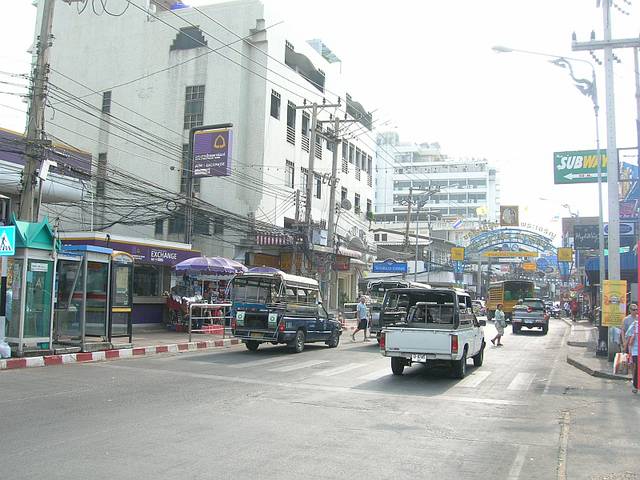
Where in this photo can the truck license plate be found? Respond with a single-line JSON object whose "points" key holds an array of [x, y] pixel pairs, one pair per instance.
{"points": [[528, 321], [256, 335], [418, 357]]}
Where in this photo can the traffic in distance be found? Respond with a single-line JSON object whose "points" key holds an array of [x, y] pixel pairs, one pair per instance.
{"points": [[413, 322]]}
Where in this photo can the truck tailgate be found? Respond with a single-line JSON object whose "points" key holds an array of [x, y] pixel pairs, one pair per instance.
{"points": [[418, 340]]}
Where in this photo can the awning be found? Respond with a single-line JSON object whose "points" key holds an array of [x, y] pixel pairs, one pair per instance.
{"points": [[347, 252]]}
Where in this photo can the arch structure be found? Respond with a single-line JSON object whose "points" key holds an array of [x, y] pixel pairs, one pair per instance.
{"points": [[512, 239]]}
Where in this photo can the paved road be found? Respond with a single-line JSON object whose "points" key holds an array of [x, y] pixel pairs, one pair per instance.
{"points": [[321, 414]]}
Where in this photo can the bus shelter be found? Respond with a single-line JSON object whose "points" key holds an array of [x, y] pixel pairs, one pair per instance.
{"points": [[30, 288]]}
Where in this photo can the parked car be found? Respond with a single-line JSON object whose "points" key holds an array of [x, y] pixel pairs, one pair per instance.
{"points": [[280, 308], [531, 313], [442, 329]]}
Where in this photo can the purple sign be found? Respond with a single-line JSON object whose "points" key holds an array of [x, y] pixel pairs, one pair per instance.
{"points": [[146, 254], [212, 151]]}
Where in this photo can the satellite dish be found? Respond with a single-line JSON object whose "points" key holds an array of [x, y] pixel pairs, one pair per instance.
{"points": [[346, 204]]}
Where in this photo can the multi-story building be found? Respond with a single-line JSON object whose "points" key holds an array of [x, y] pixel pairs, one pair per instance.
{"points": [[129, 88], [450, 196]]}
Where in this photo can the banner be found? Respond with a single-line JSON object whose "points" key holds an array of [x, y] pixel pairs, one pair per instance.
{"points": [[614, 302], [457, 254], [565, 254], [211, 147], [585, 237]]}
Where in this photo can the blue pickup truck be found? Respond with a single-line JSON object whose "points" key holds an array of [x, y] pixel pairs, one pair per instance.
{"points": [[276, 307]]}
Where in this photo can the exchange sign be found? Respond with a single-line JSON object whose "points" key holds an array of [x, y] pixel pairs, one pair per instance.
{"points": [[579, 166], [211, 147]]}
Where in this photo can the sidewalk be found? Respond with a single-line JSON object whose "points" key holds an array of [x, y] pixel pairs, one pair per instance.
{"points": [[581, 353], [145, 343]]}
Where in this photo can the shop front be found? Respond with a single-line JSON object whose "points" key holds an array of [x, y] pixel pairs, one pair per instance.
{"points": [[154, 262]]}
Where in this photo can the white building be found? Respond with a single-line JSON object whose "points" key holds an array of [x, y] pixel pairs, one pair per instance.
{"points": [[136, 83], [469, 190]]}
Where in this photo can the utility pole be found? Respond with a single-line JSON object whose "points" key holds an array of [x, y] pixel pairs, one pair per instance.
{"points": [[607, 45], [311, 169], [294, 255], [35, 140], [406, 231]]}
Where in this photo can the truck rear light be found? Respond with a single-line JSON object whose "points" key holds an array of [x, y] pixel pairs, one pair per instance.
{"points": [[281, 326], [529, 309], [382, 340], [454, 344]]}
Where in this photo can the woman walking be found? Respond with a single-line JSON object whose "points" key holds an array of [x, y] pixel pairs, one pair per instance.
{"points": [[500, 323]]}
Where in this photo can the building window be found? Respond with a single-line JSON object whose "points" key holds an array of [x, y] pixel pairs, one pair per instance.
{"points": [[201, 224], [356, 203], [383, 237], [304, 175], [101, 175], [318, 147], [343, 194], [177, 222], [291, 123], [318, 180], [288, 174], [368, 207], [159, 227], [305, 131], [275, 104], [345, 154], [376, 237], [146, 281], [186, 171], [106, 102], [218, 225], [352, 154], [194, 107]]}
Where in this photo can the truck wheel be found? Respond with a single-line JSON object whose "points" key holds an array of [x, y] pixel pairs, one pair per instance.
{"points": [[460, 366], [297, 345], [479, 357], [334, 340], [397, 365], [545, 329], [252, 345]]}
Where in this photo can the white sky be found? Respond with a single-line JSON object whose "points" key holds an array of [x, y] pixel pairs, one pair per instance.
{"points": [[427, 67]]}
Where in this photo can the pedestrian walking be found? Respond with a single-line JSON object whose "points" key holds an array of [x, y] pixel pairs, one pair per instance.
{"points": [[566, 308], [500, 323], [574, 310], [626, 323], [632, 345], [363, 320]]}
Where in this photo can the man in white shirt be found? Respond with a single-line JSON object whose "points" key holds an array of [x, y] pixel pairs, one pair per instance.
{"points": [[363, 320]]}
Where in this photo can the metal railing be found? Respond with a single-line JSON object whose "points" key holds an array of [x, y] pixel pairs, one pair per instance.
{"points": [[212, 318]]}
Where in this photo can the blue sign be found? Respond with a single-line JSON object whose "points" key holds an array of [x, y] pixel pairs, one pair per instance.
{"points": [[7, 241], [390, 266]]}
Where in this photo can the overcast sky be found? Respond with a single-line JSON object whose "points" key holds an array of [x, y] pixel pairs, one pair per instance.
{"points": [[427, 67]]}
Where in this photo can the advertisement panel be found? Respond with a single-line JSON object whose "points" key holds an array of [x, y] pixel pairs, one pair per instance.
{"points": [[390, 266], [585, 237], [529, 267], [614, 302], [211, 148]]}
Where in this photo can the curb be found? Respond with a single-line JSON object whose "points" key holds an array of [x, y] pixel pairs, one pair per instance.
{"points": [[595, 373], [573, 343], [107, 355]]}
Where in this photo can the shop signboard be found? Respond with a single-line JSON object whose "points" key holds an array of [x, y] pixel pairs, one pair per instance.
{"points": [[580, 166], [457, 254], [614, 302], [585, 237], [529, 267], [211, 149], [565, 254], [146, 254], [626, 228], [509, 253], [390, 266], [628, 209]]}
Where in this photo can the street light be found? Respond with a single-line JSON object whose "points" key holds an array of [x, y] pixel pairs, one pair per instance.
{"points": [[589, 89]]}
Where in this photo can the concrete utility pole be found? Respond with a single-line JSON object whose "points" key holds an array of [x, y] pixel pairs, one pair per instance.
{"points": [[312, 157], [607, 45], [35, 140]]}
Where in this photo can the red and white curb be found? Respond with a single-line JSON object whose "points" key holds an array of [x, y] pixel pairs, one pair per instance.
{"points": [[105, 355]]}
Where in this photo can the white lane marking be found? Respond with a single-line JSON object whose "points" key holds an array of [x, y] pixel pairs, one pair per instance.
{"points": [[522, 381], [298, 366], [565, 422], [357, 390], [518, 462], [257, 363], [338, 370], [475, 379], [376, 375]]}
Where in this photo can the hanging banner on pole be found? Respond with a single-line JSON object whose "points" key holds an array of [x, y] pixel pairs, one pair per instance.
{"points": [[614, 307], [457, 254], [565, 254], [211, 147]]}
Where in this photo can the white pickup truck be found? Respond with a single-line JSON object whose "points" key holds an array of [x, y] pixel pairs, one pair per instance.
{"points": [[440, 330]]}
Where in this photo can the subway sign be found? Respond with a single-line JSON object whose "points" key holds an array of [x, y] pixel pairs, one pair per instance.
{"points": [[580, 166]]}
